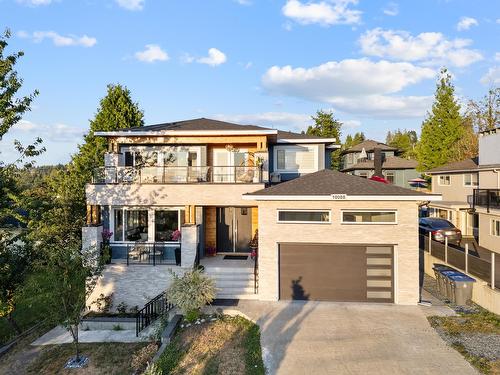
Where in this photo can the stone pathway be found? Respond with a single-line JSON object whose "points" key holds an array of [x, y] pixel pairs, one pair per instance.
{"points": [[60, 335]]}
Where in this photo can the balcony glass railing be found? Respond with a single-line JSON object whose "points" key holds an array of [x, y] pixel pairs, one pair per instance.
{"points": [[489, 198], [182, 175]]}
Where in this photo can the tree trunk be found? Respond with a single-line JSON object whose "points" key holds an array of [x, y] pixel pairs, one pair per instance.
{"points": [[13, 324], [74, 333]]}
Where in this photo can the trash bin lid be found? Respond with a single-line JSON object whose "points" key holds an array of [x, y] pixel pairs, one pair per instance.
{"points": [[462, 277], [440, 267], [450, 272]]}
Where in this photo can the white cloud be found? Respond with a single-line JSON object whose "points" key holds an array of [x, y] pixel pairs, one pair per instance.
{"points": [[466, 23], [326, 13], [57, 132], [351, 123], [492, 77], [497, 56], [151, 53], [356, 86], [131, 4], [59, 40], [282, 120], [391, 9], [214, 58], [243, 2], [35, 3], [429, 48]]}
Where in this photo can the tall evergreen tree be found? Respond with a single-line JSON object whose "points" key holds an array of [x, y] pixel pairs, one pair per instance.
{"points": [[354, 140], [442, 128], [327, 126], [66, 188], [404, 140]]}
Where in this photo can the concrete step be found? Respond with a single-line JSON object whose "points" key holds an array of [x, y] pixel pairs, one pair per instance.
{"points": [[227, 283], [237, 296], [240, 270], [236, 290], [227, 276]]}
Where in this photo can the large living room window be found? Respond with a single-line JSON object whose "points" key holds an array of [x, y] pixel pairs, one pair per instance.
{"points": [[130, 225], [166, 223], [301, 159], [303, 216], [369, 217]]}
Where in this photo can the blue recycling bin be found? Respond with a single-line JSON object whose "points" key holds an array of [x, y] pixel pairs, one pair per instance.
{"points": [[440, 278], [448, 287]]}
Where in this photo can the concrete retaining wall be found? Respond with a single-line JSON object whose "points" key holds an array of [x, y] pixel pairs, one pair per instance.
{"points": [[482, 294]]}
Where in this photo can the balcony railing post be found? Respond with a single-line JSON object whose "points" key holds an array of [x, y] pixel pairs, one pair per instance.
{"points": [[430, 243], [466, 257], [492, 270], [154, 254], [128, 252]]}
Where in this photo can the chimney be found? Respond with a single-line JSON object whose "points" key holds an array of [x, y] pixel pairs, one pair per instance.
{"points": [[377, 162]]}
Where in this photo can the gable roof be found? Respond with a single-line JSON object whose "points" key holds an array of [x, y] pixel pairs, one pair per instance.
{"points": [[327, 183], [369, 145], [457, 166], [390, 162]]}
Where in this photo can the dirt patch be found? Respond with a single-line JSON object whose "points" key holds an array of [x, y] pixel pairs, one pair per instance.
{"points": [[224, 346]]}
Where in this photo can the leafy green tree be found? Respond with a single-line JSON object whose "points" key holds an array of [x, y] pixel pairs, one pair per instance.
{"points": [[485, 113], [442, 128], [327, 126], [404, 140], [63, 281], [353, 140]]}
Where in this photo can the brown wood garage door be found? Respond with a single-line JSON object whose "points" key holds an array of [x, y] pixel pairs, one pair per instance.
{"points": [[331, 272]]}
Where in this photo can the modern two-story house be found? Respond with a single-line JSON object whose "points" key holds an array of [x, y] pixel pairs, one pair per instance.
{"points": [[209, 192], [361, 160]]}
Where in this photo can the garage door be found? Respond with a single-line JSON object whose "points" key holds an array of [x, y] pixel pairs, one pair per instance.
{"points": [[331, 272]]}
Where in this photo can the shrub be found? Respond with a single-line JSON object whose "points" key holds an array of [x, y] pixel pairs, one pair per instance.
{"points": [[122, 308], [143, 356], [191, 291], [104, 303]]}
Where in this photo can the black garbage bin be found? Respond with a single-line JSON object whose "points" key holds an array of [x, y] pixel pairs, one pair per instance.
{"points": [[177, 256]]}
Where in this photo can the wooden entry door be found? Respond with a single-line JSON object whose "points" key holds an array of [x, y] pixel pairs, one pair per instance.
{"points": [[234, 229]]}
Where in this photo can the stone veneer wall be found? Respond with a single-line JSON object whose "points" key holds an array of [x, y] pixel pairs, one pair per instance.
{"points": [[404, 237]]}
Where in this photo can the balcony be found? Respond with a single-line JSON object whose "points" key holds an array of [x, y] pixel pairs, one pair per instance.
{"points": [[178, 175], [487, 198]]}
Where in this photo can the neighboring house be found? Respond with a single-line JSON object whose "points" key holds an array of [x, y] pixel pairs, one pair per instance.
{"points": [[456, 183], [361, 160], [322, 235]]}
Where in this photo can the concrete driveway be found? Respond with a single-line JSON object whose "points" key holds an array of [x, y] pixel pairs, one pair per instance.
{"points": [[351, 338]]}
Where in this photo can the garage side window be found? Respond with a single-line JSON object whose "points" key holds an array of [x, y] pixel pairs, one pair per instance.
{"points": [[290, 216], [369, 217]]}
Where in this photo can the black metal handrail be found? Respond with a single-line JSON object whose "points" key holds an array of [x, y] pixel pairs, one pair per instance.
{"points": [[489, 198], [179, 175], [151, 311]]}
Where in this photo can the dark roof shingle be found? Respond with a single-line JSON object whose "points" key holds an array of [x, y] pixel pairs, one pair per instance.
{"points": [[369, 145], [194, 125], [328, 182], [391, 162], [463, 165]]}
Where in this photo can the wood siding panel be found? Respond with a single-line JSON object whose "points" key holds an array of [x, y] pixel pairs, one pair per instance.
{"points": [[210, 227], [255, 220]]}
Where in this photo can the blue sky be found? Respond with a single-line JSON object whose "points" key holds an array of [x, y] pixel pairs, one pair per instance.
{"points": [[265, 62]]}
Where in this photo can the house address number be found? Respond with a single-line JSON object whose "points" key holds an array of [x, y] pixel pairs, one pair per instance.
{"points": [[339, 197]]}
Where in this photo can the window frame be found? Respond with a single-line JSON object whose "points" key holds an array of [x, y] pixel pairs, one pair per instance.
{"points": [[395, 222], [493, 229], [311, 148], [391, 174], [443, 176], [471, 180], [278, 221]]}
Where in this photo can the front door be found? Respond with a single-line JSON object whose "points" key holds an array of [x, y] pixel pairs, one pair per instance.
{"points": [[234, 229]]}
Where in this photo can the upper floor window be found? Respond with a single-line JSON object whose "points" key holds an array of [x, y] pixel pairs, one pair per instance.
{"points": [[495, 227], [389, 176], [444, 180], [296, 158], [369, 217], [304, 216], [471, 179]]}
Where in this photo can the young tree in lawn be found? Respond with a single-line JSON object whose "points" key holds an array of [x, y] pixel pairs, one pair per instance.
{"points": [[327, 126], [63, 281], [442, 128]]}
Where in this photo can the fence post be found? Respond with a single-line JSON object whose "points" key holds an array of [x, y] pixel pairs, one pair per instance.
{"points": [[446, 250], [466, 257], [430, 243], [492, 270]]}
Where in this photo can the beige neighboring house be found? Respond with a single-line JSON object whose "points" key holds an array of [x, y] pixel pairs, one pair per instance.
{"points": [[456, 183], [322, 234], [471, 192]]}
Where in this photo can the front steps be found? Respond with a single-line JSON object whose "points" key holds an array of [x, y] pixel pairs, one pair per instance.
{"points": [[233, 282]]}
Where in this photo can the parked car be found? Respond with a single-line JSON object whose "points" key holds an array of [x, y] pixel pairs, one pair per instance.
{"points": [[440, 229]]}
